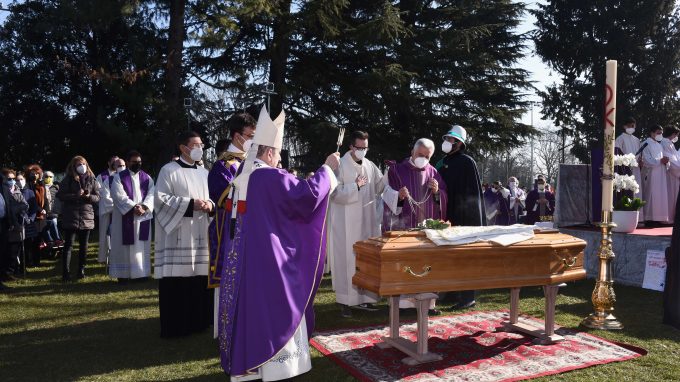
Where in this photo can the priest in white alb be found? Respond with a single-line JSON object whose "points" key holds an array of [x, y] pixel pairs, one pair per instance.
{"points": [[654, 179], [353, 217], [630, 144], [183, 212], [132, 193], [105, 206]]}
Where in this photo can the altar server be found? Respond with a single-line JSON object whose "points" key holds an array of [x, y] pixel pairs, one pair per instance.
{"points": [[353, 217], [654, 179], [183, 209], [630, 144], [132, 192], [105, 208], [516, 200], [275, 262], [670, 136]]}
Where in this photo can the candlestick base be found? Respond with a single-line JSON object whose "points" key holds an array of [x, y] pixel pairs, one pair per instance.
{"points": [[602, 321]]}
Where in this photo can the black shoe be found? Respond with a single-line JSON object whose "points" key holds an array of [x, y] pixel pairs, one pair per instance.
{"points": [[4, 287], [434, 312], [345, 311], [65, 278], [81, 275], [465, 305], [367, 307]]}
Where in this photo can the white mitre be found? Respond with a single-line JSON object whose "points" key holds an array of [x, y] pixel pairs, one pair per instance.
{"points": [[267, 133]]}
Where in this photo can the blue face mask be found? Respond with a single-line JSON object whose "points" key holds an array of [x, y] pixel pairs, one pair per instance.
{"points": [[10, 183]]}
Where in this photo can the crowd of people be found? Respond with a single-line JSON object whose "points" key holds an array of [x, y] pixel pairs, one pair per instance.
{"points": [[657, 172], [245, 240]]}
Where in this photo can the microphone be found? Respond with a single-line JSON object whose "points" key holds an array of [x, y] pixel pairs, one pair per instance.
{"points": [[641, 148]]}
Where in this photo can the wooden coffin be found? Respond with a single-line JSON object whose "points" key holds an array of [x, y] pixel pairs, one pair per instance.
{"points": [[402, 262]]}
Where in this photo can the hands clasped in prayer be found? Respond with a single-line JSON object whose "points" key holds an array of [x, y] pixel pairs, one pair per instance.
{"points": [[202, 205]]}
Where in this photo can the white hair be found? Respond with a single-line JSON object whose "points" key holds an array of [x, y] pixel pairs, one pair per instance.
{"points": [[424, 142]]}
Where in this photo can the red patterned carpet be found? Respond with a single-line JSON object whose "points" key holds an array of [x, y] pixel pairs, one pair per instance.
{"points": [[472, 351]]}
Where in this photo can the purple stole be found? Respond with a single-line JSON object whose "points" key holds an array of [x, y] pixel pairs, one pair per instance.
{"points": [[106, 177], [129, 217]]}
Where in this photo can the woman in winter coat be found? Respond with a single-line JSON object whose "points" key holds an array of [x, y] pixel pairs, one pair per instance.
{"points": [[79, 194]]}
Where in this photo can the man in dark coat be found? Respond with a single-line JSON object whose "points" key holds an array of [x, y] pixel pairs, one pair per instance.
{"points": [[464, 190]]}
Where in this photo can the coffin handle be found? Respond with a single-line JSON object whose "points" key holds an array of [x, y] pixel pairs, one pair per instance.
{"points": [[569, 263], [426, 270]]}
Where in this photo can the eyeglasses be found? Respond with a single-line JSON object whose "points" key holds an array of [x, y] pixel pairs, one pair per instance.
{"points": [[196, 146], [361, 148]]}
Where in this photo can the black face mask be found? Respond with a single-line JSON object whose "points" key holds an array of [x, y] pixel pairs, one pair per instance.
{"points": [[135, 167]]}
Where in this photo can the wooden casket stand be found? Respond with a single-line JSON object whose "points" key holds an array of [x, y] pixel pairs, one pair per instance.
{"points": [[385, 266]]}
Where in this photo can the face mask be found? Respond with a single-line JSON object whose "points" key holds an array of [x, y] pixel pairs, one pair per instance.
{"points": [[630, 130], [135, 167], [10, 183], [48, 181], [494, 190], [512, 184], [658, 138], [120, 169], [22, 183], [674, 139], [247, 144], [81, 169], [447, 146], [421, 162], [360, 154], [541, 187], [196, 154]]}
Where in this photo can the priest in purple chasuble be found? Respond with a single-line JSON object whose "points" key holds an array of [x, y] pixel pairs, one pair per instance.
{"points": [[105, 207], [132, 193], [275, 262], [183, 211], [241, 132], [416, 192]]}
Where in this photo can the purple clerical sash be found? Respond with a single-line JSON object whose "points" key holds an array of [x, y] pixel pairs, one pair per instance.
{"points": [[106, 177], [129, 217]]}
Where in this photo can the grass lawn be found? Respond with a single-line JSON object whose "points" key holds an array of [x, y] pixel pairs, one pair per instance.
{"points": [[98, 330]]}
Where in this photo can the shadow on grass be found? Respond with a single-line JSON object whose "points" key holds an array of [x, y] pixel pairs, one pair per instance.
{"points": [[100, 347]]}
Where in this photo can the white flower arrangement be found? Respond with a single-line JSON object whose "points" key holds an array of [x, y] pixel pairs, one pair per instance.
{"points": [[626, 182], [628, 160]]}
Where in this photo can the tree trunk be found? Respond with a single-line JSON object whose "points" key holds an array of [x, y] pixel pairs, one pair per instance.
{"points": [[174, 78], [279, 52]]}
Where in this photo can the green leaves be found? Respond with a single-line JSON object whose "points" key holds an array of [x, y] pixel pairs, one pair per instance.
{"points": [[628, 204]]}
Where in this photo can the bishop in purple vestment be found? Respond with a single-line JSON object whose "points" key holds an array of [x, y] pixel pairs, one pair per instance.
{"points": [[274, 264], [417, 191]]}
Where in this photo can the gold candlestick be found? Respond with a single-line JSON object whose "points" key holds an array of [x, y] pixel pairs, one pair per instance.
{"points": [[603, 295]]}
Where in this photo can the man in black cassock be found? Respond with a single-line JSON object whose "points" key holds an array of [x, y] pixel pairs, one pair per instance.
{"points": [[671, 291], [464, 191]]}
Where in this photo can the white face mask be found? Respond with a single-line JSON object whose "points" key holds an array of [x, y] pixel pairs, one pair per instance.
{"points": [[81, 169], [512, 184], [247, 144], [494, 190], [22, 183], [630, 130], [659, 137], [421, 162], [120, 169], [541, 187], [360, 154], [447, 146], [674, 139], [196, 154]]}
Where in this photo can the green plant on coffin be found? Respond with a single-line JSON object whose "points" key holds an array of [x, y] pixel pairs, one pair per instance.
{"points": [[627, 203]]}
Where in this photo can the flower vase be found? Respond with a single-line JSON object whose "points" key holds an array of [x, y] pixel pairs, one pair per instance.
{"points": [[626, 221]]}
